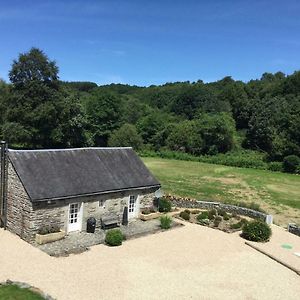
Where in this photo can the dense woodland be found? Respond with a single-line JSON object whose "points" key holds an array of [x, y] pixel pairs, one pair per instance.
{"points": [[259, 120]]}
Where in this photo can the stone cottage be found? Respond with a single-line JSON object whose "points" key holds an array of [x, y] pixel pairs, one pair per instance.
{"points": [[67, 186]]}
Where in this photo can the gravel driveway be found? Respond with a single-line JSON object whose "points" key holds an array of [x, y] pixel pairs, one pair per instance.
{"points": [[190, 262]]}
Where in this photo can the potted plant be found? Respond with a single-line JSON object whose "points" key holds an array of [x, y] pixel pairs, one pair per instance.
{"points": [[48, 234]]}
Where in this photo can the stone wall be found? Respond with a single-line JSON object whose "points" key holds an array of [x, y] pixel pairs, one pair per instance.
{"points": [[191, 203], [294, 228], [25, 218], [19, 208]]}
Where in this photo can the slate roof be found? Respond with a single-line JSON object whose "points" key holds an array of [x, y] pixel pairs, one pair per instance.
{"points": [[65, 173]]}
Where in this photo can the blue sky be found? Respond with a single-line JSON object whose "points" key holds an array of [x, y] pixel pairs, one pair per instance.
{"points": [[153, 42]]}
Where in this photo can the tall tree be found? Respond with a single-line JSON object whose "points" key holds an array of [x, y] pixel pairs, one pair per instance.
{"points": [[34, 110]]}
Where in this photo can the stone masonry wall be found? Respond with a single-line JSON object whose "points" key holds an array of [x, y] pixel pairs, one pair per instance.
{"points": [[25, 218], [191, 203], [19, 208]]}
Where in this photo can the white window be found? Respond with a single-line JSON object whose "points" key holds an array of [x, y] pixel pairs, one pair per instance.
{"points": [[102, 203], [132, 202]]}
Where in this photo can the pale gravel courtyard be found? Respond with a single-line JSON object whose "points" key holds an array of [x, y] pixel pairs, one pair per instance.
{"points": [[189, 262]]}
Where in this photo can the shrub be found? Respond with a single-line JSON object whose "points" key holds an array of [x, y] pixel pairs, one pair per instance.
{"points": [[48, 229], [212, 213], [239, 224], [291, 163], [114, 237], [221, 212], [164, 205], [275, 166], [202, 216], [187, 211], [217, 221], [165, 222], [147, 211], [256, 231], [226, 217], [184, 215]]}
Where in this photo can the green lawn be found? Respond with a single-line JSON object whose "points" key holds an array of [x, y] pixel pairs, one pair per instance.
{"points": [[13, 292], [272, 190]]}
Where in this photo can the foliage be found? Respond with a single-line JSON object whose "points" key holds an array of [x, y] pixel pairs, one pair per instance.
{"points": [[239, 224], [275, 166], [164, 205], [114, 237], [202, 216], [165, 222], [256, 231], [103, 114], [291, 164], [126, 136], [49, 229], [212, 214], [14, 292], [254, 124], [147, 211], [185, 215], [243, 159], [217, 221]]}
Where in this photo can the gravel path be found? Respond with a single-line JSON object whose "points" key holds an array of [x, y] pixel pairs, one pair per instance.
{"points": [[189, 262], [78, 242]]}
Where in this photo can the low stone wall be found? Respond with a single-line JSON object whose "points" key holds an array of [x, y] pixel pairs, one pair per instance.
{"points": [[191, 203], [295, 229]]}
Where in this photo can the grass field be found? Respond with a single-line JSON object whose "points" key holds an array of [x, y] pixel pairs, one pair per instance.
{"points": [[13, 292], [277, 193]]}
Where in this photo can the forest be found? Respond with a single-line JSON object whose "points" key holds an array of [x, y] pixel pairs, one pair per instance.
{"points": [[248, 124]]}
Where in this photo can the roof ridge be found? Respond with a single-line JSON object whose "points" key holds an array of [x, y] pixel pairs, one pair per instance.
{"points": [[68, 149]]}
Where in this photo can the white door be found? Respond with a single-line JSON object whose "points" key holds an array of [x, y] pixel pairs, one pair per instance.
{"points": [[132, 207], [75, 213]]}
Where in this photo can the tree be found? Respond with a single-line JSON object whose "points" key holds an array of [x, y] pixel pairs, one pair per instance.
{"points": [[103, 112], [217, 132], [37, 105], [126, 136], [185, 137], [33, 66]]}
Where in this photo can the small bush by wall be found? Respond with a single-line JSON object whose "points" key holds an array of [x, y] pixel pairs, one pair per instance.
{"points": [[165, 222], [164, 205], [114, 237], [185, 215], [256, 231]]}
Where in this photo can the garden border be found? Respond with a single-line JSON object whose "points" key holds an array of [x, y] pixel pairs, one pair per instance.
{"points": [[191, 203]]}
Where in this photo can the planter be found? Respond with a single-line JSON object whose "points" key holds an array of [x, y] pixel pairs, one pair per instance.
{"points": [[50, 237], [150, 216]]}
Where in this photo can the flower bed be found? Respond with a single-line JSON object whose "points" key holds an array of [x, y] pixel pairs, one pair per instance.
{"points": [[150, 216]]}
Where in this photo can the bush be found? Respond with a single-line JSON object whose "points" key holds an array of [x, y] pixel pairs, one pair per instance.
{"points": [[226, 217], [202, 216], [212, 213], [114, 237], [221, 212], [48, 229], [275, 166], [239, 224], [164, 205], [256, 231], [291, 163], [216, 223], [184, 215], [165, 222]]}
